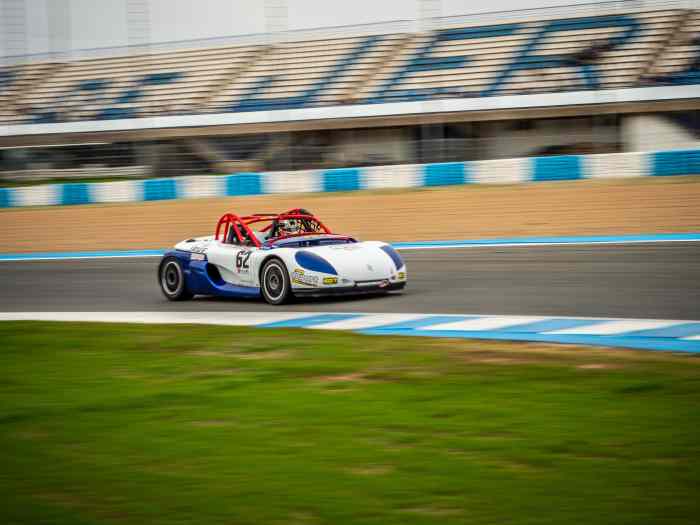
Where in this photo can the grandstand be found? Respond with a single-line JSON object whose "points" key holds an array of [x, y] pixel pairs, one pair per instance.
{"points": [[602, 47], [514, 56]]}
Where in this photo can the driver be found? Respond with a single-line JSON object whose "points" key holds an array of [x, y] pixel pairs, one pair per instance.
{"points": [[291, 226]]}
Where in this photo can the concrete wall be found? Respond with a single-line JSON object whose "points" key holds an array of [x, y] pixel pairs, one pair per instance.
{"points": [[655, 132], [505, 140], [390, 145]]}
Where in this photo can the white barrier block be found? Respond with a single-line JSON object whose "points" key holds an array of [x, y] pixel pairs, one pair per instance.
{"points": [[120, 191], [43, 195], [615, 165], [481, 324], [365, 321], [306, 181], [396, 176], [200, 186], [499, 171], [616, 327]]}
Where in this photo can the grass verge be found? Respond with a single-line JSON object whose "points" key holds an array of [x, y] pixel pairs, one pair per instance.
{"points": [[194, 424]]}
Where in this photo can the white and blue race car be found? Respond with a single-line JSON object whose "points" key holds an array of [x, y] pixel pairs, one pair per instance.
{"points": [[278, 256]]}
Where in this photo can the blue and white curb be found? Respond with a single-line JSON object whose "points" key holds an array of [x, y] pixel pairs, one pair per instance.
{"points": [[645, 334], [415, 245], [499, 171]]}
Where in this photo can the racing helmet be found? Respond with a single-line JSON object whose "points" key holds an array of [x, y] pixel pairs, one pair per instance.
{"points": [[290, 226]]}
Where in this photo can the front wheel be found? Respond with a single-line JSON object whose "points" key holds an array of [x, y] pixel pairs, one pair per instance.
{"points": [[274, 282], [172, 280]]}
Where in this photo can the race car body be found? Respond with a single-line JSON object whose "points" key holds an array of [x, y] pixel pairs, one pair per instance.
{"points": [[278, 256]]}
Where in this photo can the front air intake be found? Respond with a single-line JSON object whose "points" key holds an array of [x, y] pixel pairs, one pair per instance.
{"points": [[313, 262], [398, 261]]}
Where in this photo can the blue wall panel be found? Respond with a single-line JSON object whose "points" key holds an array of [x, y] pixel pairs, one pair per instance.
{"points": [[564, 167], [159, 189], [346, 179], [444, 174], [680, 162], [5, 197], [75, 193], [243, 184]]}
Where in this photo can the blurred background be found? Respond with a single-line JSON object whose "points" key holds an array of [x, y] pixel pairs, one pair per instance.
{"points": [[226, 73]]}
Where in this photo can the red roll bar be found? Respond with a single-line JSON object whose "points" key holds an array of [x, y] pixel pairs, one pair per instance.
{"points": [[243, 232]]}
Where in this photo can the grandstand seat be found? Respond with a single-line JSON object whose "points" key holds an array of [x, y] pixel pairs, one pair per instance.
{"points": [[524, 57], [294, 74], [679, 61], [118, 87], [466, 58]]}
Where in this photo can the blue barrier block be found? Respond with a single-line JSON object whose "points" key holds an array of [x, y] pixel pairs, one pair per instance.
{"points": [[243, 184], [75, 193], [681, 162], [343, 179], [564, 167], [5, 197], [444, 174], [159, 189]]}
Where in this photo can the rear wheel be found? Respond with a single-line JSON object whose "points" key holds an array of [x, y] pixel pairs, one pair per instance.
{"points": [[274, 282], [172, 280]]}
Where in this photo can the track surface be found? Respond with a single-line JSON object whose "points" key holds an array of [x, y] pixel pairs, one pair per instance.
{"points": [[659, 280]]}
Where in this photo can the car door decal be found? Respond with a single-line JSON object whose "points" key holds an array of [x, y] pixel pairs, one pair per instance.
{"points": [[242, 258]]}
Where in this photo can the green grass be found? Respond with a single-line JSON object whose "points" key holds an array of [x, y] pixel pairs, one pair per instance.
{"points": [[191, 424]]}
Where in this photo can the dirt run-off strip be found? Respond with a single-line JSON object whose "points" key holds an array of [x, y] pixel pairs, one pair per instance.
{"points": [[613, 207]]}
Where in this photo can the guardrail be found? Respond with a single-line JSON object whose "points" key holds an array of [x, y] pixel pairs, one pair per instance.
{"points": [[501, 171]]}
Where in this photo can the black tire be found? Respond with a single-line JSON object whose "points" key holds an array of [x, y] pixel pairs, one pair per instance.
{"points": [[275, 286], [171, 278]]}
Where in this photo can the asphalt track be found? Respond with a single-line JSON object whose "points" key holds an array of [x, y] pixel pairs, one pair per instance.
{"points": [[660, 280]]}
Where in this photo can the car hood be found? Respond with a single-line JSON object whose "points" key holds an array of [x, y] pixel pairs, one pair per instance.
{"points": [[362, 261]]}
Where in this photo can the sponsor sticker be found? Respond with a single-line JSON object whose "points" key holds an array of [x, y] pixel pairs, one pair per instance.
{"points": [[199, 248], [330, 280], [299, 277], [197, 257]]}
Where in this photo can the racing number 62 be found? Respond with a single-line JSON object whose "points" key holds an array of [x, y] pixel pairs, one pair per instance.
{"points": [[242, 260]]}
